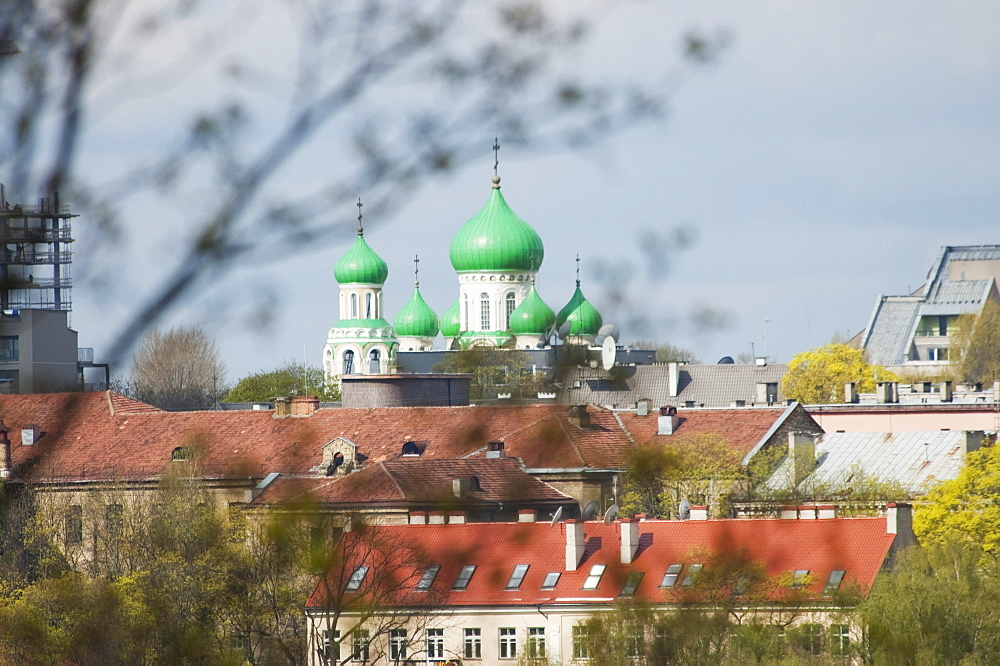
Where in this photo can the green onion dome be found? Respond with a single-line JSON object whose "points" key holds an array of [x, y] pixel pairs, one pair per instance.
{"points": [[573, 304], [451, 322], [360, 265], [532, 316], [496, 240], [585, 319], [416, 319]]}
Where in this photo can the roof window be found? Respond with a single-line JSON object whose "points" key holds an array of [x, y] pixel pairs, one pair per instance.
{"points": [[670, 578], [517, 577], [427, 578], [800, 578], [464, 576], [632, 582], [410, 449], [180, 453], [692, 573], [834, 581], [551, 579], [594, 579], [357, 578]]}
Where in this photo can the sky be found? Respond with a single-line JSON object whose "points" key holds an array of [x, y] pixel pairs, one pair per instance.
{"points": [[821, 161]]}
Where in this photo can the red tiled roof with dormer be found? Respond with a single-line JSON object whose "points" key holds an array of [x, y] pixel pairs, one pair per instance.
{"points": [[858, 546]]}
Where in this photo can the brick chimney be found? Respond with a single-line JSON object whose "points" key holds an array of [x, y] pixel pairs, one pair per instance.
{"points": [[282, 407], [574, 544], [303, 405], [579, 416], [630, 539]]}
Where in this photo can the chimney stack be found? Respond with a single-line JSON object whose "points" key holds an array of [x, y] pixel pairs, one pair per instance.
{"points": [[282, 407], [946, 391], [887, 392], [527, 515], [699, 512], [495, 449], [630, 539], [899, 521], [974, 440], [303, 405], [579, 416], [574, 544], [850, 393], [667, 421], [673, 378]]}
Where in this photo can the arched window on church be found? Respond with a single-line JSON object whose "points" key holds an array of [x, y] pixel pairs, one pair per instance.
{"points": [[349, 362], [374, 366], [511, 305], [368, 305], [484, 311], [466, 315], [354, 306]]}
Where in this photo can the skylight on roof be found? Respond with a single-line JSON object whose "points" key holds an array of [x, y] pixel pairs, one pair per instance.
{"points": [[464, 576], [551, 579], [517, 577], [427, 578], [692, 573], [800, 578], [632, 582], [834, 581], [356, 578], [670, 578], [594, 579]]}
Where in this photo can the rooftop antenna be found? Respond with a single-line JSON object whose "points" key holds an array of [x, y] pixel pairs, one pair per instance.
{"points": [[496, 163], [766, 321], [416, 270], [361, 229]]}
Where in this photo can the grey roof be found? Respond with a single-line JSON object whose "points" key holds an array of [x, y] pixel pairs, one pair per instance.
{"points": [[901, 457], [963, 291], [704, 385], [891, 328]]}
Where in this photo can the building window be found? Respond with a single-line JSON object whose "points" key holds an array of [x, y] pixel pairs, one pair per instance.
{"points": [[113, 517], [484, 312], [631, 583], [427, 577], [473, 644], [834, 581], [517, 577], [800, 578], [594, 579], [580, 636], [511, 306], [349, 362], [937, 354], [551, 579], [397, 644], [357, 578], [74, 524], [359, 649], [9, 381], [508, 643], [329, 646], [354, 306], [810, 638], [368, 305], [374, 366], [692, 575], [466, 314], [536, 643], [633, 642], [840, 639], [9, 352], [670, 578], [464, 576], [435, 643]]}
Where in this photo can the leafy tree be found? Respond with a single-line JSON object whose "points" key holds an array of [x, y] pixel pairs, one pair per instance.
{"points": [[667, 352], [818, 376], [289, 378], [178, 369], [964, 508], [936, 606], [976, 345], [493, 371]]}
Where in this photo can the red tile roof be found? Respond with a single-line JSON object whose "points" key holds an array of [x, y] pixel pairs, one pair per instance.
{"points": [[92, 436], [742, 428], [420, 481], [857, 545]]}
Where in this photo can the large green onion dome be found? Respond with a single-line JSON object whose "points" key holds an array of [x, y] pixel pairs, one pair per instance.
{"points": [[532, 316], [496, 240], [360, 265], [585, 319], [573, 304], [416, 319], [451, 321]]}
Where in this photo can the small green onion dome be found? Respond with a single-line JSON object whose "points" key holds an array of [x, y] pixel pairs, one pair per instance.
{"points": [[573, 304], [451, 322], [360, 265], [416, 319], [585, 319], [496, 239], [532, 316]]}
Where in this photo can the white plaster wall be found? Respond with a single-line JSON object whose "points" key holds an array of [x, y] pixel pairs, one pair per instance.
{"points": [[497, 285]]}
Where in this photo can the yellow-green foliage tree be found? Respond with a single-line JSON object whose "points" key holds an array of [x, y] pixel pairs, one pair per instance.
{"points": [[975, 347], [965, 508], [818, 376]]}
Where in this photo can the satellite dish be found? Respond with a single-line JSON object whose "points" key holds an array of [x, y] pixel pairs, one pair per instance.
{"points": [[684, 510], [555, 517], [726, 360], [610, 514], [608, 352], [590, 511], [599, 340], [564, 329], [609, 330]]}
